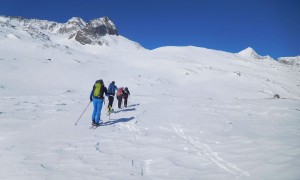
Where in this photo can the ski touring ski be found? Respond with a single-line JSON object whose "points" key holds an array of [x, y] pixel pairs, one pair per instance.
{"points": [[94, 126], [109, 113]]}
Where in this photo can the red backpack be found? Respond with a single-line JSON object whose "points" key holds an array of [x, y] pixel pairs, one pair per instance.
{"points": [[120, 91]]}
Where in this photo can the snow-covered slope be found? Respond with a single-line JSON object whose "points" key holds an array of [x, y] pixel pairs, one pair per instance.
{"points": [[194, 113]]}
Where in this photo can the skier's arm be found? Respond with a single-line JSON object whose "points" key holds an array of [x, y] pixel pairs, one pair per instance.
{"points": [[92, 92], [105, 91]]}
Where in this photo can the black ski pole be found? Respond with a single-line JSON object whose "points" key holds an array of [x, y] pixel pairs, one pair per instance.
{"points": [[82, 113]]}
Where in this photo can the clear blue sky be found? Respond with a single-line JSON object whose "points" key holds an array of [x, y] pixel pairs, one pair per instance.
{"points": [[269, 26]]}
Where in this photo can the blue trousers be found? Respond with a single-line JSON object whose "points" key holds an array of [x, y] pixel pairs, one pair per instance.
{"points": [[97, 109]]}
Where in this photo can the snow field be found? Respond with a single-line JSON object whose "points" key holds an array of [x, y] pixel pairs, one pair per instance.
{"points": [[194, 113]]}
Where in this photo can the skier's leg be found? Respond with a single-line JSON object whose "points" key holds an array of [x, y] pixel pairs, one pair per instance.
{"points": [[125, 102], [95, 110], [109, 103], [98, 110], [119, 102], [110, 99]]}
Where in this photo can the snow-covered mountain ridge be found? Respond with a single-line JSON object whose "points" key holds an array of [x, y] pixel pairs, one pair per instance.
{"points": [[77, 28], [290, 60], [86, 33], [194, 113]]}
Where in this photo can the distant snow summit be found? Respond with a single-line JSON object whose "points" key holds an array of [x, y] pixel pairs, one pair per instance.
{"points": [[250, 53]]}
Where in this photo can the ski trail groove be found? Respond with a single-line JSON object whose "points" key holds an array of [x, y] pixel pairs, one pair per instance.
{"points": [[137, 168], [205, 151], [97, 146]]}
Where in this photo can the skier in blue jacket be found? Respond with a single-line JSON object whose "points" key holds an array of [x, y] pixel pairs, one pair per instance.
{"points": [[97, 97], [112, 88]]}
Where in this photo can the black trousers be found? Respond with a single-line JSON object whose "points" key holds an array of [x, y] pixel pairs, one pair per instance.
{"points": [[125, 101], [110, 101], [119, 101]]}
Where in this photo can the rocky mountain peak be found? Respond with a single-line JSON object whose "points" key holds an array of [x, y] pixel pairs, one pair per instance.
{"points": [[101, 26], [94, 30], [74, 24], [84, 33], [76, 20]]}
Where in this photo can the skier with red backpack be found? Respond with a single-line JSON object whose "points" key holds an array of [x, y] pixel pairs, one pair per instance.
{"points": [[120, 97], [97, 97]]}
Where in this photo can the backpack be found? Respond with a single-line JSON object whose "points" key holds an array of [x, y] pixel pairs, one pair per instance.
{"points": [[126, 91], [97, 89], [111, 89], [120, 91]]}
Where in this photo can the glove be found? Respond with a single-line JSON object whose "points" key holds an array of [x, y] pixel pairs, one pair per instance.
{"points": [[91, 99]]}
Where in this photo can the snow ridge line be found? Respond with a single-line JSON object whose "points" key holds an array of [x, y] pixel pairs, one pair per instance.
{"points": [[206, 152]]}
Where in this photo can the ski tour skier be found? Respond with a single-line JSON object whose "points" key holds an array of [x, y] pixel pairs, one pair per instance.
{"points": [[120, 96], [97, 97], [126, 94], [111, 90]]}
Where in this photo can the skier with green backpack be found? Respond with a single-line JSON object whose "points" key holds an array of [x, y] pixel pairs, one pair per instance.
{"points": [[97, 96]]}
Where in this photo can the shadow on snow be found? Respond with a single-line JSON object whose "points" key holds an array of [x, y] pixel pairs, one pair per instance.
{"points": [[132, 105], [114, 121], [124, 110]]}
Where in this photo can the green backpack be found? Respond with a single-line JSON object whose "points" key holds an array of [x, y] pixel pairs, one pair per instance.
{"points": [[97, 89]]}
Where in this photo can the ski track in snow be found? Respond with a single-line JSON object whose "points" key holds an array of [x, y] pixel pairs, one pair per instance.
{"points": [[205, 152], [141, 168]]}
